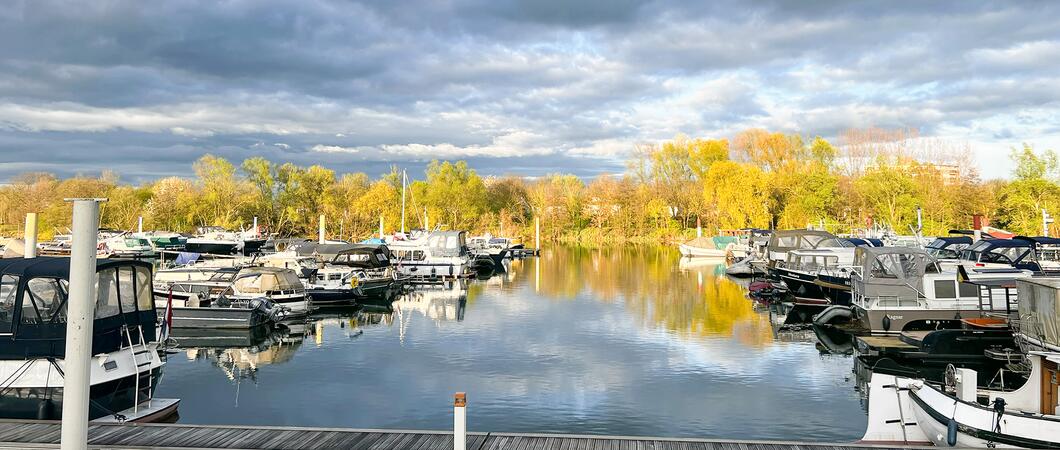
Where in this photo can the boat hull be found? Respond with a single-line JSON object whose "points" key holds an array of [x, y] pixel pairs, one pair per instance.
{"points": [[212, 248], [225, 318], [976, 423]]}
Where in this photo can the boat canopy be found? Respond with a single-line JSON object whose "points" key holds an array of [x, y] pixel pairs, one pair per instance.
{"points": [[1002, 251], [786, 240], [366, 256], [262, 280], [893, 271], [33, 296], [447, 243], [1039, 312], [864, 242]]}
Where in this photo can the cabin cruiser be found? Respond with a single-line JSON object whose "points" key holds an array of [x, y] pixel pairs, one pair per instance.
{"points": [[218, 241], [339, 273], [229, 297], [122, 244], [125, 365], [824, 271], [895, 289], [431, 256], [163, 240]]}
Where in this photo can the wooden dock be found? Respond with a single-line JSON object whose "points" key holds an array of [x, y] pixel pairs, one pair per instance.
{"points": [[45, 435]]}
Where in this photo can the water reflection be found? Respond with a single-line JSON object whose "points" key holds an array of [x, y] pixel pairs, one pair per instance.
{"points": [[609, 341]]}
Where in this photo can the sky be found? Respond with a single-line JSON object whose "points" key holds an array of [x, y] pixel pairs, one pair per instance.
{"points": [[513, 87]]}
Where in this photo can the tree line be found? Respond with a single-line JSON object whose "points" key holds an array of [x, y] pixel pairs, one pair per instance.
{"points": [[758, 178]]}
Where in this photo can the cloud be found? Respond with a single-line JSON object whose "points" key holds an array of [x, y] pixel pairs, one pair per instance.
{"points": [[367, 84]]}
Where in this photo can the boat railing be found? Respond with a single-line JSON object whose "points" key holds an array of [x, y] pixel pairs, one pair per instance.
{"points": [[888, 301]]}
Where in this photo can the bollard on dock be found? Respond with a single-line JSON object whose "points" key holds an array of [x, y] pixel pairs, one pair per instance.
{"points": [[460, 421]]}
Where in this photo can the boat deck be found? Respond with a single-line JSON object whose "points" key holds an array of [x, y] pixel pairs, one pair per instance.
{"points": [[35, 434], [885, 342]]}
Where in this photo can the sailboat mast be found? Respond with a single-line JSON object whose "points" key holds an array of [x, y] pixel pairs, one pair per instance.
{"points": [[404, 180]]}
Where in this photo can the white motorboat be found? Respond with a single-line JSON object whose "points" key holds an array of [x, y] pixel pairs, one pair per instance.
{"points": [[122, 244], [959, 414], [125, 367], [431, 256], [895, 289]]}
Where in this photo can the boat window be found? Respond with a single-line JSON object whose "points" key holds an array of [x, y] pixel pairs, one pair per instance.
{"points": [[812, 240], [106, 294], [835, 243], [968, 290], [8, 296], [418, 255], [43, 301], [126, 289], [895, 265], [381, 256], [1013, 253], [787, 241], [993, 257], [945, 289], [144, 296]]}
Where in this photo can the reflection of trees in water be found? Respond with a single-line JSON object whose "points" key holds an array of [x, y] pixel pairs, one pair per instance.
{"points": [[695, 301]]}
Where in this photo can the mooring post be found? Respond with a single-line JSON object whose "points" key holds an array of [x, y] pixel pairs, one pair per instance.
{"points": [[80, 312], [380, 227], [256, 233], [460, 421], [30, 236], [426, 220], [320, 232], [140, 225], [537, 234]]}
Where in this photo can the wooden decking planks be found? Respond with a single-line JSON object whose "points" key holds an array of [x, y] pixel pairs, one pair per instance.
{"points": [[32, 434]]}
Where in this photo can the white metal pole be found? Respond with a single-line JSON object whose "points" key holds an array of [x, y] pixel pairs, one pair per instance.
{"points": [[320, 232], [140, 225], [426, 220], [380, 226], [403, 179], [30, 236], [80, 311], [537, 233], [460, 421], [919, 220], [1045, 223], [256, 233]]}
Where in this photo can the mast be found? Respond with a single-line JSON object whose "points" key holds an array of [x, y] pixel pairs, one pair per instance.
{"points": [[404, 179]]}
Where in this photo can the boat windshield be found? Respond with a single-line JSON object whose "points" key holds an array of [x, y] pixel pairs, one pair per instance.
{"points": [[899, 265], [834, 243]]}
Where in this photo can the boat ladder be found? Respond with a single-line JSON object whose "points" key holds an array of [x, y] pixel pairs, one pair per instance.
{"points": [[141, 357], [901, 420]]}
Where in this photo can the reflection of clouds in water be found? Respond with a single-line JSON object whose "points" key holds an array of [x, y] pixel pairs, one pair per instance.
{"points": [[628, 345]]}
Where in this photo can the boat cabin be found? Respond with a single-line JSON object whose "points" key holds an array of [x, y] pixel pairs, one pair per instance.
{"points": [[362, 256], [266, 281], [781, 242], [33, 296], [437, 244]]}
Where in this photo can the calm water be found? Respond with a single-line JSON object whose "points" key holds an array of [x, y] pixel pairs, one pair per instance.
{"points": [[619, 341]]}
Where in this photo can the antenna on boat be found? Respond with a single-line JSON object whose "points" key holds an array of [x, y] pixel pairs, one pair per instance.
{"points": [[404, 181]]}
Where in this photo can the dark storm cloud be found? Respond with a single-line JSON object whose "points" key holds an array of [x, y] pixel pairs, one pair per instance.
{"points": [[535, 86]]}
